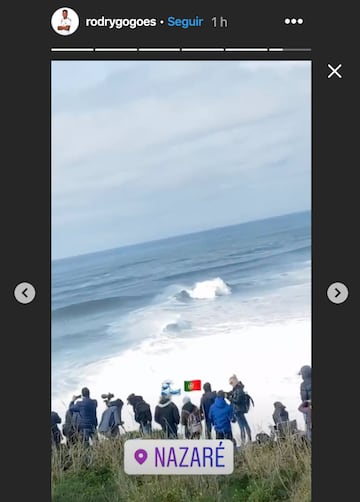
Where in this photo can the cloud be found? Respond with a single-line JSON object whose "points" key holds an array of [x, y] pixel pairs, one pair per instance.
{"points": [[147, 133]]}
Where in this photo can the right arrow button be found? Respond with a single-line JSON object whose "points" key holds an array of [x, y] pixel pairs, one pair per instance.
{"points": [[337, 292]]}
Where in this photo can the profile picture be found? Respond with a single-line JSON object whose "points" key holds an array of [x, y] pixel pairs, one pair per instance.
{"points": [[65, 21]]}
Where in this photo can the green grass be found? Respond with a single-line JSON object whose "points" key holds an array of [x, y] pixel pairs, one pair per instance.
{"points": [[262, 473]]}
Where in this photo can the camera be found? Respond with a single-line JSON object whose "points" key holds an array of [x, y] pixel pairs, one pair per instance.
{"points": [[107, 397]]}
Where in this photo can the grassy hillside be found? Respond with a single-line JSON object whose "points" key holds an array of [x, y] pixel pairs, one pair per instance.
{"points": [[262, 473]]}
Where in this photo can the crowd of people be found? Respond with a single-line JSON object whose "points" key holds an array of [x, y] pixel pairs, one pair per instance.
{"points": [[215, 412]]}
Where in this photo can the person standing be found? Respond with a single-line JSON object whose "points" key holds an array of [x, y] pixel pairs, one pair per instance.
{"points": [[111, 417], [142, 413], [305, 386], [87, 414], [191, 419], [240, 401], [55, 431], [167, 415], [71, 427], [220, 415], [207, 400], [305, 396], [305, 408]]}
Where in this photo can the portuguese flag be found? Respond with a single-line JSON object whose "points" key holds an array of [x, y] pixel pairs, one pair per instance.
{"points": [[192, 385]]}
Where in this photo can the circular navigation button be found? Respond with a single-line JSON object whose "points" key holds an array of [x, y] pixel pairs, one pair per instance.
{"points": [[24, 292], [337, 292]]}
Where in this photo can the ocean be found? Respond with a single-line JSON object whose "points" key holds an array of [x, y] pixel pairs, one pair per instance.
{"points": [[203, 306]]}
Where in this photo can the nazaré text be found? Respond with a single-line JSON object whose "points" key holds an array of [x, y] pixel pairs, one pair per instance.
{"points": [[190, 456]]}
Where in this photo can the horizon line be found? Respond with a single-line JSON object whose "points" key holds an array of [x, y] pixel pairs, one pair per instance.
{"points": [[139, 243]]}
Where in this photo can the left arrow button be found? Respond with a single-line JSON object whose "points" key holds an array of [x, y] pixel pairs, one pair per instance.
{"points": [[24, 292]]}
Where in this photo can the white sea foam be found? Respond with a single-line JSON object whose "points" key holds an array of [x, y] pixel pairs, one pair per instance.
{"points": [[209, 289], [266, 357]]}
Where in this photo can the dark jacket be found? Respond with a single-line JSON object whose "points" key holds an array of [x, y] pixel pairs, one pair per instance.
{"points": [[185, 410], [305, 386], [87, 411], [71, 425], [55, 431], [207, 400], [141, 408], [134, 400], [220, 415], [237, 399], [142, 412], [167, 415], [280, 415], [55, 419]]}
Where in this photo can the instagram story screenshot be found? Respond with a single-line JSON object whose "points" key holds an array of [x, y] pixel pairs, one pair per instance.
{"points": [[193, 270]]}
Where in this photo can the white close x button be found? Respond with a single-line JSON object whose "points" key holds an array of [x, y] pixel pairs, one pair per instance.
{"points": [[334, 71]]}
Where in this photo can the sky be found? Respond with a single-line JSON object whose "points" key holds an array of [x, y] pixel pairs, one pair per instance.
{"points": [[151, 149]]}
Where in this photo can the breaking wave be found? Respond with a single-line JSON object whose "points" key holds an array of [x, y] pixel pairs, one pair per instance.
{"points": [[205, 290]]}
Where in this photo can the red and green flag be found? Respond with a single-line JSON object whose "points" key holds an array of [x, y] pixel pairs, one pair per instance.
{"points": [[190, 385]]}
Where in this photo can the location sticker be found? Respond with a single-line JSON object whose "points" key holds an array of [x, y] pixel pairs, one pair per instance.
{"points": [[178, 456], [140, 456]]}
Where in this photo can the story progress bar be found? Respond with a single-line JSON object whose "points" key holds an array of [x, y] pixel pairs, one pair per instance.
{"points": [[177, 49]]}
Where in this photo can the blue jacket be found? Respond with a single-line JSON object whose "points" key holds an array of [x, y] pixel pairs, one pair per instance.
{"points": [[87, 410], [220, 415]]}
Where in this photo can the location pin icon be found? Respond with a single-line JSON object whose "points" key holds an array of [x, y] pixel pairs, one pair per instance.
{"points": [[140, 456]]}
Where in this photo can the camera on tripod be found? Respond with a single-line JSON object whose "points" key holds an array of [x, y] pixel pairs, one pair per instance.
{"points": [[107, 397]]}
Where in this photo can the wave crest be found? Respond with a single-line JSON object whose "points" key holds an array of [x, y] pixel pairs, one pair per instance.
{"points": [[97, 305]]}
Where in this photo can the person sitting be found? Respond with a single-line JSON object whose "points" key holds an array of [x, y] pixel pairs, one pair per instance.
{"points": [[167, 415], [55, 431], [191, 419], [87, 411], [283, 426], [142, 413], [280, 414]]}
